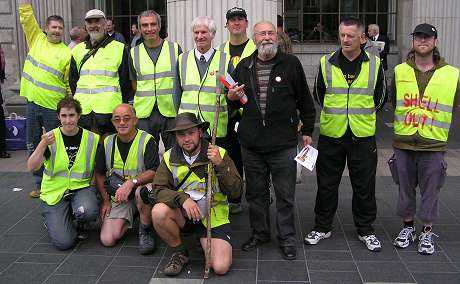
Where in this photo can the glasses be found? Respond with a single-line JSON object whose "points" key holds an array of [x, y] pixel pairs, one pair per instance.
{"points": [[118, 119], [265, 33]]}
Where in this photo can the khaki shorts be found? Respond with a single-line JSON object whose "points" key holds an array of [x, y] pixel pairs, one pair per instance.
{"points": [[124, 210]]}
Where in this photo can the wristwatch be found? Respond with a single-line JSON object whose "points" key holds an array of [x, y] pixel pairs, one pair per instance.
{"points": [[135, 181]]}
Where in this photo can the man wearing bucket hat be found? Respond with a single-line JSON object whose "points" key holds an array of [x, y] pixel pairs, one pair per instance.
{"points": [[180, 195], [426, 92]]}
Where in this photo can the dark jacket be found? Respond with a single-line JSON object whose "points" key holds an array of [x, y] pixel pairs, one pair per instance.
{"points": [[230, 182], [288, 99]]}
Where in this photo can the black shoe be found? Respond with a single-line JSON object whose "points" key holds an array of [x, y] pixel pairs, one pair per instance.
{"points": [[252, 243], [289, 253]]}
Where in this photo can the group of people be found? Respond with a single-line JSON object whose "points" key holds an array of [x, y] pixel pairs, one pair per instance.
{"points": [[96, 114]]}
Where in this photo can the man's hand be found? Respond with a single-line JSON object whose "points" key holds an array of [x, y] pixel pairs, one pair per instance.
{"points": [[306, 140], [48, 137], [235, 92], [105, 209], [192, 209], [123, 191], [214, 155]]}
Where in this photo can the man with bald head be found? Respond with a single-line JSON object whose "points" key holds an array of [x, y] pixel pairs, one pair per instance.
{"points": [[130, 154], [268, 134]]}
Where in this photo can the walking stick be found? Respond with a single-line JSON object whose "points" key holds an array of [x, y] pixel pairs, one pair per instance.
{"points": [[209, 188]]}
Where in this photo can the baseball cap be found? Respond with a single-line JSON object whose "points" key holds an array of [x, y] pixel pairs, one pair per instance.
{"points": [[236, 11], [94, 14], [426, 29]]}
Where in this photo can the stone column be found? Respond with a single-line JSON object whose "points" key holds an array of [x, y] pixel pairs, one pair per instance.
{"points": [[182, 12]]}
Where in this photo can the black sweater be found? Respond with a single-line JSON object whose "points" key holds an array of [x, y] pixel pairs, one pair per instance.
{"points": [[288, 99]]}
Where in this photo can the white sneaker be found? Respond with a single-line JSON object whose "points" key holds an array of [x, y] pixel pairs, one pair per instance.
{"points": [[314, 237], [405, 237], [426, 243], [371, 242]]}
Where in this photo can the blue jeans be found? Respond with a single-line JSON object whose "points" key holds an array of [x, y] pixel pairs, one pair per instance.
{"points": [[38, 117], [60, 220]]}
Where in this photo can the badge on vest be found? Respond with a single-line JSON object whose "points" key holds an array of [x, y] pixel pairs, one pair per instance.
{"points": [[278, 79]]}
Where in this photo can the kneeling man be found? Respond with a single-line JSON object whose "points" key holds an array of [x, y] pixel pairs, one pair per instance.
{"points": [[179, 190], [68, 200], [131, 154]]}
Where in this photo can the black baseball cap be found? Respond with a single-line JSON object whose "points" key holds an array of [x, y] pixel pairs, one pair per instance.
{"points": [[236, 11], [425, 29]]}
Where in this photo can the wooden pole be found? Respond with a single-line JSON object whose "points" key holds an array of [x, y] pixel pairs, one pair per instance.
{"points": [[209, 188]]}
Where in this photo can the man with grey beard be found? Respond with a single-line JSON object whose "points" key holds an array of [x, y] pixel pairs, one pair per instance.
{"points": [[99, 75], [278, 96]]}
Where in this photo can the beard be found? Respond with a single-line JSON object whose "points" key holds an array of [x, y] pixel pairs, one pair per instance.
{"points": [[424, 53], [96, 36], [267, 49]]}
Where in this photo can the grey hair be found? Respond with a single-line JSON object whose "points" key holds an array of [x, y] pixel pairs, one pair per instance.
{"points": [[375, 27], [149, 13], [75, 32], [205, 21], [262, 22]]}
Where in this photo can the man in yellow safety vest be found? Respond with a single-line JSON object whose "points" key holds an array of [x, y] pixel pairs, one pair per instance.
{"points": [[350, 88], [68, 200], [153, 65], [426, 91], [44, 79]]}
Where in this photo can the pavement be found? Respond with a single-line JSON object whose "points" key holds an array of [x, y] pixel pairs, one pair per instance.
{"points": [[26, 255]]}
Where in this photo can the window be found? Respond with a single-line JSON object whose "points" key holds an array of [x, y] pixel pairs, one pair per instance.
{"points": [[317, 21], [124, 13]]}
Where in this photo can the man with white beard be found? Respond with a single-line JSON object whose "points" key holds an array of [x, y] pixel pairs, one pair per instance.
{"points": [[99, 75], [278, 96]]}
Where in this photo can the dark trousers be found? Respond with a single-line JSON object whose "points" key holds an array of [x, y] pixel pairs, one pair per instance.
{"points": [[100, 123], [38, 117], [360, 154], [2, 125], [234, 150], [424, 169], [282, 167], [157, 124]]}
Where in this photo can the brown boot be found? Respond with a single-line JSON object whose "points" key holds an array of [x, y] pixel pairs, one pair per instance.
{"points": [[35, 193], [176, 263]]}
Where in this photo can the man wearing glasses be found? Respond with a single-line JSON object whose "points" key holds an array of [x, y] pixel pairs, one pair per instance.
{"points": [[132, 155]]}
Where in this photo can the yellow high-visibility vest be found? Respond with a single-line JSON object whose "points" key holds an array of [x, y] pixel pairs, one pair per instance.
{"points": [[199, 96], [155, 82], [429, 114], [57, 177], [98, 88], [196, 187], [349, 105]]}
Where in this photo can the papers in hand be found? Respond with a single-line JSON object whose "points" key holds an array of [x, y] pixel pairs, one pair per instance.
{"points": [[307, 157]]}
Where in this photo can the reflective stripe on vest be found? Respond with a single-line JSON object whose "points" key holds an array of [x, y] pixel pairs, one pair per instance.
{"points": [[58, 177], [45, 68], [348, 105], [98, 88], [131, 167], [196, 187], [429, 114], [43, 79], [199, 96], [43, 85], [156, 82]]}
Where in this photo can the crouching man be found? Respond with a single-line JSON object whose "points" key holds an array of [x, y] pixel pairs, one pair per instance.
{"points": [[179, 189], [130, 156], [68, 200]]}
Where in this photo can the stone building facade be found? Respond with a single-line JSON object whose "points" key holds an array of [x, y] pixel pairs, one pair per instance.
{"points": [[444, 14]]}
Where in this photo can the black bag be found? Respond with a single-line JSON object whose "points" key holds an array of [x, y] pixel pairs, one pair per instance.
{"points": [[393, 169]]}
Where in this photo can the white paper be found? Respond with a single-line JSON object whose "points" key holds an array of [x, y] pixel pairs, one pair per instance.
{"points": [[307, 157], [17, 189]]}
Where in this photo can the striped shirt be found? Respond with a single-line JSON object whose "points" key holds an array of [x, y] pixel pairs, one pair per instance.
{"points": [[263, 69]]}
